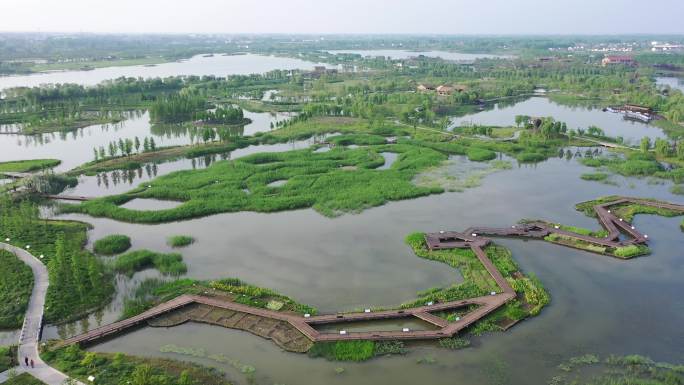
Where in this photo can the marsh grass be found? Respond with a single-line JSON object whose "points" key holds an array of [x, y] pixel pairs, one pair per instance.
{"points": [[112, 244], [168, 264], [180, 241]]}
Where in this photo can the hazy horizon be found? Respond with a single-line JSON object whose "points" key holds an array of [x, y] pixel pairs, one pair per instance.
{"points": [[381, 17]]}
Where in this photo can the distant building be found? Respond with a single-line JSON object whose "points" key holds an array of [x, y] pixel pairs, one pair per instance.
{"points": [[613, 59], [445, 90], [423, 87]]}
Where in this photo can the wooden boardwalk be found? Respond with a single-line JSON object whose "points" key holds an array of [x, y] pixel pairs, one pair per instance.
{"points": [[472, 238]]}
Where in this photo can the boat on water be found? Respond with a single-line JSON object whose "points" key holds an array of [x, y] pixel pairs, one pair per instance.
{"points": [[646, 118]]}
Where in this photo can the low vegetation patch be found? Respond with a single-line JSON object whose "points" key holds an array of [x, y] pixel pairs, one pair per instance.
{"points": [[180, 240], [112, 244], [596, 176], [314, 180], [169, 264], [115, 369], [454, 343], [8, 357], [16, 284], [590, 369], [480, 154], [28, 165], [343, 350], [23, 379]]}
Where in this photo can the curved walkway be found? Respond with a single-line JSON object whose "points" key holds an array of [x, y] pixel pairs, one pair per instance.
{"points": [[33, 322]]}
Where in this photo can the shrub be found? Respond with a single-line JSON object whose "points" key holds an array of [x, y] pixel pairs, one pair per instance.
{"points": [[112, 244], [129, 263], [180, 240]]}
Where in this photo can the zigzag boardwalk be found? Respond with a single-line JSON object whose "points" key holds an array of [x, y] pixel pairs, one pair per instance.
{"points": [[472, 238]]}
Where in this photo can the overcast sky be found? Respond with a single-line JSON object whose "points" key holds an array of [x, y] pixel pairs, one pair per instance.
{"points": [[346, 16]]}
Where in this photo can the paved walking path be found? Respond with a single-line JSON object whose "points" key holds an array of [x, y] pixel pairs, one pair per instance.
{"points": [[33, 322]]}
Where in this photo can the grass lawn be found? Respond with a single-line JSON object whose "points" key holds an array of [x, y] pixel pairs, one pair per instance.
{"points": [[16, 283]]}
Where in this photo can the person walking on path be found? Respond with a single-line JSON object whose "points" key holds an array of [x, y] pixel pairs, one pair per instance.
{"points": [[26, 361], [31, 363]]}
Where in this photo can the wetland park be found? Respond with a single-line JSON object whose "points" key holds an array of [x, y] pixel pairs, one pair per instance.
{"points": [[357, 210]]}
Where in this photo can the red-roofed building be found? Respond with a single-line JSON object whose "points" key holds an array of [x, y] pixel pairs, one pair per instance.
{"points": [[624, 60]]}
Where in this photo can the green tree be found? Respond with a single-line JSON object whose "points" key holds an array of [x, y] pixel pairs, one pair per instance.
{"points": [[645, 144], [137, 144]]}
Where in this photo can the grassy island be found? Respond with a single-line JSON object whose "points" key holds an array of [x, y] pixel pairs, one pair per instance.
{"points": [[180, 241], [112, 244]]}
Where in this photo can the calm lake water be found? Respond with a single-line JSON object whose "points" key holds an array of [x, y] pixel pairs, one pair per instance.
{"points": [[76, 147], [404, 54], [600, 305], [672, 82], [199, 65], [576, 117]]}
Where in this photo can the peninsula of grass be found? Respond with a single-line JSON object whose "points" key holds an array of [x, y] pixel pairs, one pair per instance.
{"points": [[79, 282], [117, 368], [112, 244], [532, 296], [16, 284], [480, 154], [28, 165], [167, 264], [180, 241]]}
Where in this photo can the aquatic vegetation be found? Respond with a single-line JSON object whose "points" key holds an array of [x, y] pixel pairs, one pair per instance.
{"points": [[112, 244], [343, 350], [455, 176], [314, 180], [597, 176], [170, 264], [454, 343], [16, 284], [180, 240], [590, 369]]}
